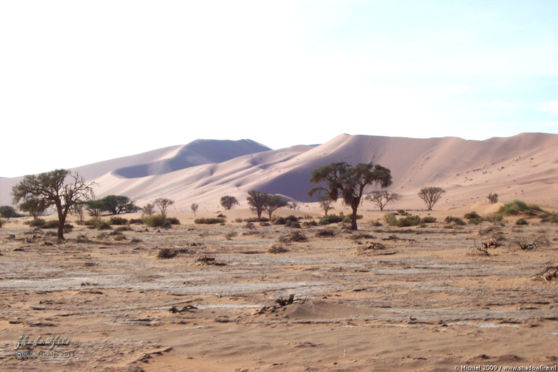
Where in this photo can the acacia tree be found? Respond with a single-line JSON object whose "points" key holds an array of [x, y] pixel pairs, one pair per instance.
{"points": [[431, 195], [34, 206], [272, 203], [228, 202], [349, 182], [381, 198], [163, 204], [54, 190], [257, 200], [194, 207]]}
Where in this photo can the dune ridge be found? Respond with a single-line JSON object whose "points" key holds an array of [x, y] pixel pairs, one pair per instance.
{"points": [[522, 166]]}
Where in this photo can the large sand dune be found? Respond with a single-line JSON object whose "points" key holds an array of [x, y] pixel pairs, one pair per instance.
{"points": [[522, 166]]}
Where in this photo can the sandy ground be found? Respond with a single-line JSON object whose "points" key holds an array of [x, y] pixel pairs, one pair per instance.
{"points": [[429, 300]]}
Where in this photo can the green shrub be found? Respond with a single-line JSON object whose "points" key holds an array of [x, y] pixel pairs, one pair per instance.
{"points": [[521, 221], [329, 219], [428, 219], [473, 218], [97, 223], [209, 221], [239, 220], [136, 221], [520, 207], [157, 220], [118, 221], [409, 220], [38, 222]]}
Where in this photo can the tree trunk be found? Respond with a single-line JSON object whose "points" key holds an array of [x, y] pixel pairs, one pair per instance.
{"points": [[61, 220], [354, 219], [270, 213]]}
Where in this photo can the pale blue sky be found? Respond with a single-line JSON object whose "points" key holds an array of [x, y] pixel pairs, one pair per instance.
{"points": [[114, 78]]}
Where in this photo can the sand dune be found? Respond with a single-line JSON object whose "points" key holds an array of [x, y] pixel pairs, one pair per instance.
{"points": [[522, 166]]}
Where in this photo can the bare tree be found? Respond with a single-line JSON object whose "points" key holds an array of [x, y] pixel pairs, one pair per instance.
{"points": [[54, 190], [163, 204], [381, 198], [194, 207], [431, 195]]}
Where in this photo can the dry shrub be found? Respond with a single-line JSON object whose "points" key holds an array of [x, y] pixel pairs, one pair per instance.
{"points": [[295, 236], [277, 248], [167, 253], [325, 233]]}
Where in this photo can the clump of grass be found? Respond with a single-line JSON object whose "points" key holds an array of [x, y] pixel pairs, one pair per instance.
{"points": [[277, 248], [521, 221], [520, 207], [136, 221], [209, 221]]}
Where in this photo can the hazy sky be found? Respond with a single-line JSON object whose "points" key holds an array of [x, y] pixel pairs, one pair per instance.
{"points": [[84, 81]]}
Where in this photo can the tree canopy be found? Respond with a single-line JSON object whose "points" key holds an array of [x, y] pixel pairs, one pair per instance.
{"points": [[54, 188], [349, 182], [228, 202]]}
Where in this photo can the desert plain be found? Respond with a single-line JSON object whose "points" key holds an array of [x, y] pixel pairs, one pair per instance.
{"points": [[383, 298]]}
